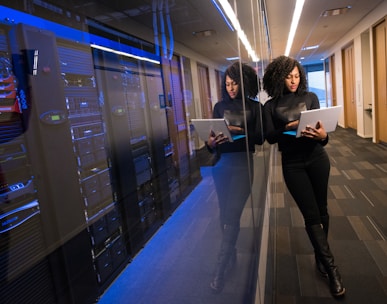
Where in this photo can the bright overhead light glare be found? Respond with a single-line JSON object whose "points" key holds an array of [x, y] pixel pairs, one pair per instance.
{"points": [[241, 34], [222, 14], [296, 18]]}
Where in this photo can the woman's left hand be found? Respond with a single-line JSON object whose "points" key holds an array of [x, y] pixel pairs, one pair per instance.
{"points": [[236, 130], [316, 133]]}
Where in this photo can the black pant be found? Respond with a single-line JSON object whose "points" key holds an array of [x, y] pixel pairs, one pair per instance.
{"points": [[306, 176], [233, 177]]}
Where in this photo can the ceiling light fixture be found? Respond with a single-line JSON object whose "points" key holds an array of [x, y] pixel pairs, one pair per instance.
{"points": [[308, 48], [336, 11], [241, 34], [206, 33], [232, 58], [296, 18]]}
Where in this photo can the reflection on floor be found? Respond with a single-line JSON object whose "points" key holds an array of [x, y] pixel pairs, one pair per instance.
{"points": [[177, 263], [358, 230]]}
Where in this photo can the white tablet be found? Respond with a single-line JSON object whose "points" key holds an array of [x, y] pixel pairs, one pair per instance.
{"points": [[204, 127], [328, 116]]}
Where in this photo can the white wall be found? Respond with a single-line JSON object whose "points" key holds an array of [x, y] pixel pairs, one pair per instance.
{"points": [[363, 75]]}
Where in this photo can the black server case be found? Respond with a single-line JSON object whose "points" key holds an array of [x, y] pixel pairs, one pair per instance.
{"points": [[80, 222], [137, 134], [184, 169], [103, 217], [25, 275]]}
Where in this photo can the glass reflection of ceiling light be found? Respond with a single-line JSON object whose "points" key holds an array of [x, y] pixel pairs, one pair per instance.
{"points": [[293, 27], [235, 22], [223, 16], [95, 46], [336, 11], [232, 58], [308, 48]]}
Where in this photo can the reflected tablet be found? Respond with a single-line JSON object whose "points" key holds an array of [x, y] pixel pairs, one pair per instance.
{"points": [[328, 116], [204, 127]]}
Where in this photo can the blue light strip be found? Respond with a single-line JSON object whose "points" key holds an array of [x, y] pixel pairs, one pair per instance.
{"points": [[12, 17]]}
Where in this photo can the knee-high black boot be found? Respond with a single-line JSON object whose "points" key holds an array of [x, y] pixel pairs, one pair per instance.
{"points": [[319, 265], [320, 244], [227, 249], [233, 258]]}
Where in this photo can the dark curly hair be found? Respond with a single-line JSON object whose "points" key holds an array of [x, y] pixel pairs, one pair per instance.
{"points": [[250, 80], [277, 71]]}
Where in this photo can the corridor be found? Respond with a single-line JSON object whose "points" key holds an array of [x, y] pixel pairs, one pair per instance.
{"points": [[176, 267]]}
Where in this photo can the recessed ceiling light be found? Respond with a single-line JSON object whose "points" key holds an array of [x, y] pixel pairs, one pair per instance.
{"points": [[308, 48], [232, 58], [206, 33], [336, 11]]}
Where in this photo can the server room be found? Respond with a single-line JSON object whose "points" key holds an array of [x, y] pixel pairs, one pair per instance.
{"points": [[108, 192]]}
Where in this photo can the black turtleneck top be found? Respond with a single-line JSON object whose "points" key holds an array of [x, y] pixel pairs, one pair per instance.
{"points": [[278, 112], [233, 112]]}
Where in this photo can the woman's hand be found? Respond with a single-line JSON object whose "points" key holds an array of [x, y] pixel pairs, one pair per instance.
{"points": [[216, 139], [316, 133], [292, 125], [236, 130]]}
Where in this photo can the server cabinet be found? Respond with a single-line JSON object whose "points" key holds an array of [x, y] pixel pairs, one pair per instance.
{"points": [[87, 127], [65, 136], [91, 171], [187, 171], [137, 134], [163, 147], [22, 245], [49, 141]]}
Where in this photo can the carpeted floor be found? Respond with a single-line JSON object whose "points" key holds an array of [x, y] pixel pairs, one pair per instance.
{"points": [[358, 230]]}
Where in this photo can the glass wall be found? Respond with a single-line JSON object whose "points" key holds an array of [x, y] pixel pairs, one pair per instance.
{"points": [[98, 164]]}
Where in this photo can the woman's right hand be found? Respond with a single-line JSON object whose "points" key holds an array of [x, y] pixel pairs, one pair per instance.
{"points": [[216, 139]]}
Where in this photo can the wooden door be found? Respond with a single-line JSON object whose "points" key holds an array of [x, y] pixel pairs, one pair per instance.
{"points": [[380, 65], [349, 88], [204, 92], [219, 78]]}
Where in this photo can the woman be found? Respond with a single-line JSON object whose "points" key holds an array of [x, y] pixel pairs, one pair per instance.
{"points": [[232, 180], [305, 163]]}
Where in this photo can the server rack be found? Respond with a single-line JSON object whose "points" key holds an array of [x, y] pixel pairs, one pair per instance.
{"points": [[101, 156], [80, 221], [87, 128], [22, 244], [137, 132], [187, 172]]}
